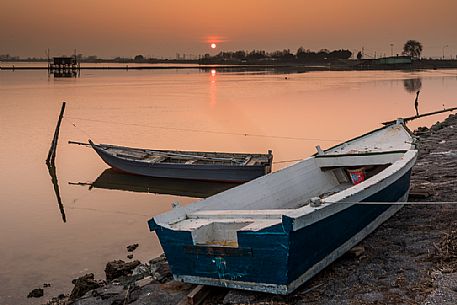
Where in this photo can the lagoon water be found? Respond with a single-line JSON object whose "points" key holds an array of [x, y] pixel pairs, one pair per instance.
{"points": [[42, 242]]}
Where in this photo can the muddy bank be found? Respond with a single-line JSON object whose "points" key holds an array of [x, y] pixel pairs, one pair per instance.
{"points": [[410, 259]]}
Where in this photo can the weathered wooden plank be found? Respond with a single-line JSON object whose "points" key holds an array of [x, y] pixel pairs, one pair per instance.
{"points": [[198, 294]]}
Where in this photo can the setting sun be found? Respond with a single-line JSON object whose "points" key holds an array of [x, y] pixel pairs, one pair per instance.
{"points": [[213, 45]]}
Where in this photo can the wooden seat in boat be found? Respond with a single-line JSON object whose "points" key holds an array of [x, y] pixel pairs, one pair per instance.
{"points": [[155, 159]]}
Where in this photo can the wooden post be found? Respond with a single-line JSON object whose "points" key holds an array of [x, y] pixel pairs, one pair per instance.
{"points": [[49, 62], [51, 166], [55, 183], [52, 149], [421, 115], [78, 143]]}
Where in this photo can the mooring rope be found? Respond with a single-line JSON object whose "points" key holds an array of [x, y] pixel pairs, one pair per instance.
{"points": [[323, 202], [106, 211], [82, 131], [206, 131]]}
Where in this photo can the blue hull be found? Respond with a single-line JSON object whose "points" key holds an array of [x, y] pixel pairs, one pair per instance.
{"points": [[278, 259]]}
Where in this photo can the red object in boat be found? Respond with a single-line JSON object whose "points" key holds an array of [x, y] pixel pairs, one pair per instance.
{"points": [[357, 175]]}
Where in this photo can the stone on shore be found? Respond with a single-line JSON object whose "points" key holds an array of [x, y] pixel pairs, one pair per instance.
{"points": [[132, 247], [118, 268], [160, 270], [36, 293], [84, 284]]}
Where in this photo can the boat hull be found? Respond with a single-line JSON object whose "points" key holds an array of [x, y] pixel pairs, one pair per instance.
{"points": [[183, 171], [280, 258]]}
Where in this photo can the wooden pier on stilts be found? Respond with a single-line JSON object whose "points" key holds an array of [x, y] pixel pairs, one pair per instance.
{"points": [[64, 66]]}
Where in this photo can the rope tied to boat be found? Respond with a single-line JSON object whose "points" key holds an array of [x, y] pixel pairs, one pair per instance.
{"points": [[206, 131], [82, 131]]}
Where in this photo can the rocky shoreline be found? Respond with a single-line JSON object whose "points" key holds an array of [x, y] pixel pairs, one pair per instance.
{"points": [[410, 259]]}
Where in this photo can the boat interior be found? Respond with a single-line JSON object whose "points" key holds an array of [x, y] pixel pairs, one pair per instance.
{"points": [[294, 187], [187, 157], [217, 222], [325, 173]]}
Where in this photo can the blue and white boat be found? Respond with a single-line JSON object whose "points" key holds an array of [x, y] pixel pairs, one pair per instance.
{"points": [[274, 233]]}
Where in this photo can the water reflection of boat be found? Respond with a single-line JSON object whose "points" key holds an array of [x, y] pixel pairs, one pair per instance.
{"points": [[276, 232], [192, 165], [113, 180]]}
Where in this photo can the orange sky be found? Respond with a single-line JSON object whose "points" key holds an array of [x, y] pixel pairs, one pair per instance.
{"points": [[110, 28]]}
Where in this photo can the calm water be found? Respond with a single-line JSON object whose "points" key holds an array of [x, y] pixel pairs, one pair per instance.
{"points": [[151, 109]]}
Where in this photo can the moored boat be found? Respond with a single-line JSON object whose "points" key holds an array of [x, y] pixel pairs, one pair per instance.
{"points": [[192, 165], [274, 233]]}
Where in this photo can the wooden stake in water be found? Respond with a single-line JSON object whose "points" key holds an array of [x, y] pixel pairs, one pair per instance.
{"points": [[55, 183], [421, 115], [51, 166], [53, 148]]}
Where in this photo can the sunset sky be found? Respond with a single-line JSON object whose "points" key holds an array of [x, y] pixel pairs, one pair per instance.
{"points": [[109, 28]]}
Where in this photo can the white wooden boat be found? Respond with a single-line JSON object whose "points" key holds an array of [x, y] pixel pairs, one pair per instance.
{"points": [[275, 232]]}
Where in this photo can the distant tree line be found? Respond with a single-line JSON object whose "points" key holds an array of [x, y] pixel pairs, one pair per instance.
{"points": [[7, 57], [411, 48], [302, 55]]}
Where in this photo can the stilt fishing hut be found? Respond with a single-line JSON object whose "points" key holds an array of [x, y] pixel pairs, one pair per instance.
{"points": [[64, 67]]}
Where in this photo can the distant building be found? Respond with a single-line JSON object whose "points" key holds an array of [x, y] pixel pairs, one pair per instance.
{"points": [[64, 67], [64, 61], [393, 60]]}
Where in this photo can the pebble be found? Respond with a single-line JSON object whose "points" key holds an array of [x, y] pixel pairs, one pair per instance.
{"points": [[36, 293], [132, 247], [357, 251]]}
